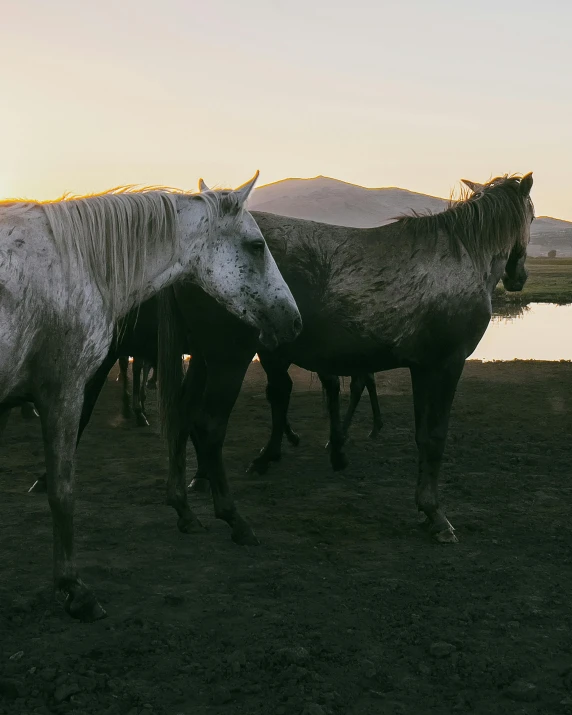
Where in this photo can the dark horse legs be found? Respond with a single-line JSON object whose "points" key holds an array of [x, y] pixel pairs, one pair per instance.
{"points": [[92, 390], [191, 395], [433, 393], [139, 391], [331, 384], [278, 391], [339, 431], [212, 384], [357, 385], [124, 378]]}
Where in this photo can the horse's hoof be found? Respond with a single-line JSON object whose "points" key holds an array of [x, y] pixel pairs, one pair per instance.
{"points": [[83, 605], [38, 487], [244, 536], [190, 525], [293, 438], [200, 485], [446, 537], [141, 420], [440, 529], [339, 461], [258, 466]]}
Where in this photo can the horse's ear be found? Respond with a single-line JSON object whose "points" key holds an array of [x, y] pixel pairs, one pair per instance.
{"points": [[473, 185], [526, 184], [243, 192], [203, 186]]}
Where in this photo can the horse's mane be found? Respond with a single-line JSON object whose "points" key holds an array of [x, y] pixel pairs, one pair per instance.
{"points": [[478, 221], [109, 235]]}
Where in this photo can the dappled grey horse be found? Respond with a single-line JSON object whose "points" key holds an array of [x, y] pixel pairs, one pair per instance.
{"points": [[71, 269], [415, 293]]}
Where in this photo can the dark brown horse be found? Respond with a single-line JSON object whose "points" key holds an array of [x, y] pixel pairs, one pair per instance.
{"points": [[415, 293]]}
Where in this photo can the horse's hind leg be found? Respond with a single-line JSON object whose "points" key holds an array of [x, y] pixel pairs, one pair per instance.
{"points": [[124, 377], [191, 392], [60, 416], [140, 418], [331, 384], [433, 392], [278, 391], [224, 381], [357, 385], [369, 379]]}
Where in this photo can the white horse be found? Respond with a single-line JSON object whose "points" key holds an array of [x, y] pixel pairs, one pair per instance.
{"points": [[70, 269]]}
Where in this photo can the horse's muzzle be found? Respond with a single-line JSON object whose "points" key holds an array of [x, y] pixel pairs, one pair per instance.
{"points": [[514, 283], [274, 337]]}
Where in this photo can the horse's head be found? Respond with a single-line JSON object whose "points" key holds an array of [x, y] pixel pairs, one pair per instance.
{"points": [[515, 273], [237, 269]]}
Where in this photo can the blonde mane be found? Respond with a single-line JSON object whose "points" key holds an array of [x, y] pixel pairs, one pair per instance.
{"points": [[108, 236]]}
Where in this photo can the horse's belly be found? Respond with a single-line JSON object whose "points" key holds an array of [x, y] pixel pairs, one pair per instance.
{"points": [[339, 353], [430, 337]]}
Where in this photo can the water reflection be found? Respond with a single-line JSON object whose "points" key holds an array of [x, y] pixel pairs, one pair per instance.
{"points": [[539, 331]]}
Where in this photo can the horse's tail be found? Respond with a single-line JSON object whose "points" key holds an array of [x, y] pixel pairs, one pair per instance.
{"points": [[169, 363]]}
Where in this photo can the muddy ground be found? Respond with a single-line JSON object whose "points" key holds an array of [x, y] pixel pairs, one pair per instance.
{"points": [[345, 608]]}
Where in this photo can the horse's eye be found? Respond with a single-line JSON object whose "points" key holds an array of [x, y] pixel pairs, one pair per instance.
{"points": [[257, 246]]}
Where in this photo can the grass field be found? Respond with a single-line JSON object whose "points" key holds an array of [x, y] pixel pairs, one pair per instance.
{"points": [[549, 281]]}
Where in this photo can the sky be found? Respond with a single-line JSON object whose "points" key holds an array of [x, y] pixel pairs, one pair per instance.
{"points": [[407, 93]]}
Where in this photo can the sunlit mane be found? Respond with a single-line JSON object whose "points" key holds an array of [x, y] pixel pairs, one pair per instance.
{"points": [[477, 221], [109, 235]]}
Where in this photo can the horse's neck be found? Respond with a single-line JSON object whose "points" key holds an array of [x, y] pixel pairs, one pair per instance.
{"points": [[165, 268], [494, 272]]}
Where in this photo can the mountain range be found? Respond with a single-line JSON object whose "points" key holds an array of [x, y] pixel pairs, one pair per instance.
{"points": [[338, 202]]}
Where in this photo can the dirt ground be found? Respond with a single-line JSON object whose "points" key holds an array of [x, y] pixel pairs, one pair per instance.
{"points": [[345, 608]]}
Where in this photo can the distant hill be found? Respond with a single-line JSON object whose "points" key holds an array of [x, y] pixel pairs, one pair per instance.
{"points": [[337, 202]]}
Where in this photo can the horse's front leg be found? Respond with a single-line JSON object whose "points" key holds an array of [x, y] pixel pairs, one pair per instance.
{"points": [[433, 393], [138, 399], [278, 391], [338, 459], [224, 380], [60, 409], [91, 394]]}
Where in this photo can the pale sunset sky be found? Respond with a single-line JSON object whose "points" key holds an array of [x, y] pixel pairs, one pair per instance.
{"points": [[409, 93]]}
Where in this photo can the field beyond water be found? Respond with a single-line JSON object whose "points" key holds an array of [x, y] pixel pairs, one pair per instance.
{"points": [[345, 608], [549, 281]]}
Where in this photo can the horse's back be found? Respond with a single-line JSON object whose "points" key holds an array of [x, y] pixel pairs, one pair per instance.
{"points": [[374, 298]]}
